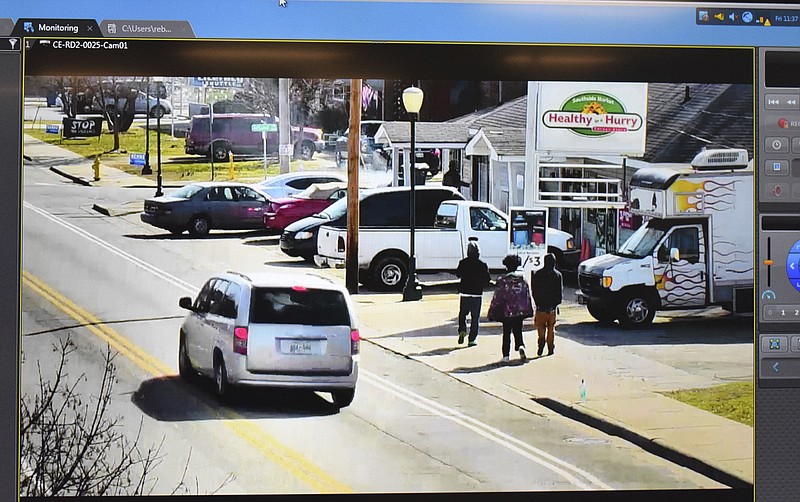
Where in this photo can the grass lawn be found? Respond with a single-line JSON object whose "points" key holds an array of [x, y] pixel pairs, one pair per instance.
{"points": [[175, 164], [732, 400]]}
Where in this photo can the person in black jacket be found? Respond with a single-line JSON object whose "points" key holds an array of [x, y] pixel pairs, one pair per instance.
{"points": [[452, 177], [548, 288], [474, 275]]}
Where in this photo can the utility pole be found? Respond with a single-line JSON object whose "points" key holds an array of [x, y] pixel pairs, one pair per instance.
{"points": [[284, 126], [353, 142]]}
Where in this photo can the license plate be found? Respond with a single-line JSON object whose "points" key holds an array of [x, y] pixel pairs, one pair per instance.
{"points": [[300, 347]]}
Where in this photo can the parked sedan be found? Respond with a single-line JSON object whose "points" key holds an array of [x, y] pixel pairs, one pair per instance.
{"points": [[283, 212], [284, 185], [199, 207]]}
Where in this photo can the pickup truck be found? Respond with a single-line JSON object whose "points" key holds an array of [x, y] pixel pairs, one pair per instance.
{"points": [[383, 252]]}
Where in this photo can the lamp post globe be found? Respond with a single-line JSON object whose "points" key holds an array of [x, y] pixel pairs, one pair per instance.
{"points": [[412, 101]]}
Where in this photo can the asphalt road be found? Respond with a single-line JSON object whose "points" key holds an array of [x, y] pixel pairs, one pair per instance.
{"points": [[113, 280]]}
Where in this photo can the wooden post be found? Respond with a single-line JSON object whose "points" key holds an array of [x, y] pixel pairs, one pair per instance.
{"points": [[353, 148]]}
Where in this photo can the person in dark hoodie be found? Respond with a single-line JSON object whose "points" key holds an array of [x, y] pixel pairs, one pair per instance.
{"points": [[474, 275], [547, 286]]}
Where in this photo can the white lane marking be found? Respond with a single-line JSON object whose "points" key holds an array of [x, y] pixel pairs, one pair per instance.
{"points": [[528, 451], [113, 249], [543, 458]]}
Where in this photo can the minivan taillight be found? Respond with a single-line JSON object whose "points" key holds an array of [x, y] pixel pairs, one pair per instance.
{"points": [[355, 342], [240, 340]]}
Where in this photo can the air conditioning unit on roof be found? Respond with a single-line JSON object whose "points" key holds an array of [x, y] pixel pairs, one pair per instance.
{"points": [[723, 158]]}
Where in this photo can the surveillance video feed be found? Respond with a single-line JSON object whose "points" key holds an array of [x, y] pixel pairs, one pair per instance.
{"points": [[552, 289]]}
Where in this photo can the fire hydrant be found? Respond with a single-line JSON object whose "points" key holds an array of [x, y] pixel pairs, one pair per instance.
{"points": [[96, 168]]}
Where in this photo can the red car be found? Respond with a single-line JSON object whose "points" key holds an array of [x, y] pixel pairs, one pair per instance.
{"points": [[281, 213]]}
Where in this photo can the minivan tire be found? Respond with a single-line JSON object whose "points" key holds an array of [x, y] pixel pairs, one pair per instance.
{"points": [[199, 226], [390, 273], [185, 369], [343, 397], [221, 380]]}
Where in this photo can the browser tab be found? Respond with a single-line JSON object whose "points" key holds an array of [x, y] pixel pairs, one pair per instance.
{"points": [[56, 28], [6, 26], [143, 29]]}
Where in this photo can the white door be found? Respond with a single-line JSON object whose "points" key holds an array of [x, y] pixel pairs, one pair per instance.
{"points": [[490, 228], [682, 282]]}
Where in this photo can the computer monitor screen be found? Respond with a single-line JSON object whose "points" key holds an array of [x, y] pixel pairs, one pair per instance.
{"points": [[401, 249]]}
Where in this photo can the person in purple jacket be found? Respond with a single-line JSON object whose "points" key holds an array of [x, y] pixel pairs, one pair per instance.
{"points": [[511, 304]]}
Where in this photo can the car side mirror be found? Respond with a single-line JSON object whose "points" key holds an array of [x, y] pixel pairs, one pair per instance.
{"points": [[185, 303], [674, 254]]}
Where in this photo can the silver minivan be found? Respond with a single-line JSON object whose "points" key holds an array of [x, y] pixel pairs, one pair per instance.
{"points": [[272, 329]]}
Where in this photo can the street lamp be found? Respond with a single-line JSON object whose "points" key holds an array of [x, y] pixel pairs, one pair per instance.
{"points": [[412, 101]]}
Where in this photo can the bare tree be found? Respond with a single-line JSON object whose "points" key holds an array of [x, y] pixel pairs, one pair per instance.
{"points": [[260, 94], [70, 446]]}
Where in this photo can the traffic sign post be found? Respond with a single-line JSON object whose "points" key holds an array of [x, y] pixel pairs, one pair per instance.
{"points": [[264, 129]]}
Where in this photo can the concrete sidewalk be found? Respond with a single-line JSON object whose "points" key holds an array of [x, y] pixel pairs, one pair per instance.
{"points": [[78, 168], [623, 396], [623, 389]]}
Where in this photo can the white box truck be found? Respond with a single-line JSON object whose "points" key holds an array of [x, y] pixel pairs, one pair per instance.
{"points": [[694, 250]]}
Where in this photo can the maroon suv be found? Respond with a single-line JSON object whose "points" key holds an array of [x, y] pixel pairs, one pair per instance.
{"points": [[233, 132]]}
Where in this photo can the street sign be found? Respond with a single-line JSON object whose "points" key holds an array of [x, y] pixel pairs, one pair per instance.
{"points": [[137, 159], [51, 128], [218, 82], [263, 127], [285, 150]]}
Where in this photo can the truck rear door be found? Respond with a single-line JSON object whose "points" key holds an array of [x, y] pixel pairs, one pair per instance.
{"points": [[328, 242], [299, 331]]}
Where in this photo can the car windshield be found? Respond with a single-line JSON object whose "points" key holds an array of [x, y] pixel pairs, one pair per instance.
{"points": [[336, 210], [642, 242], [299, 305], [186, 192]]}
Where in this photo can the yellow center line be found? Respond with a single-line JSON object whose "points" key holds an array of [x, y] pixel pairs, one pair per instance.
{"points": [[294, 462]]}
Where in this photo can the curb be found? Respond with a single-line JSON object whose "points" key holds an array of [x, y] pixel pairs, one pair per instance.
{"points": [[101, 209], [650, 445], [75, 179]]}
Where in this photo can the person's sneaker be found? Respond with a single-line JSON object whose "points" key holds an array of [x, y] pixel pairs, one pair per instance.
{"points": [[472, 343], [551, 351], [505, 359], [461, 336], [539, 352], [522, 354]]}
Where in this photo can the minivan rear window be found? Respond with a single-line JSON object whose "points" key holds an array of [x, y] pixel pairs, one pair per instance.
{"points": [[318, 307]]}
